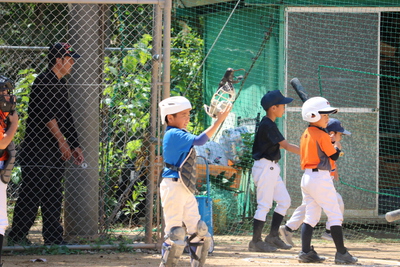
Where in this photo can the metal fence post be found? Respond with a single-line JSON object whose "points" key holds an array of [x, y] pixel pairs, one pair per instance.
{"points": [[82, 184]]}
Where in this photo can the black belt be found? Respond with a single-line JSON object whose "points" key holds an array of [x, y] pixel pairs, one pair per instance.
{"points": [[172, 167], [174, 179], [274, 161], [315, 170]]}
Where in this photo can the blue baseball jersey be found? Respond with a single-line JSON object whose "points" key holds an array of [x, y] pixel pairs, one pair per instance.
{"points": [[176, 146]]}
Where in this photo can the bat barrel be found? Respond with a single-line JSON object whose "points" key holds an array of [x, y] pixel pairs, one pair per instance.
{"points": [[301, 92], [393, 215]]}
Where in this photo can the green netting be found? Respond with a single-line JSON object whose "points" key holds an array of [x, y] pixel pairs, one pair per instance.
{"points": [[345, 51]]}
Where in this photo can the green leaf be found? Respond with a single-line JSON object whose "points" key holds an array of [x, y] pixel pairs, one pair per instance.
{"points": [[113, 70], [129, 63], [132, 147]]}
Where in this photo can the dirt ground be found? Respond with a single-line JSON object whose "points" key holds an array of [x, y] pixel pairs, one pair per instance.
{"points": [[229, 251]]}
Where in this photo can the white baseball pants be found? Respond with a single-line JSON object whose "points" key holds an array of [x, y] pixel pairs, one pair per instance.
{"points": [[3, 208], [179, 206], [319, 193], [270, 187], [299, 214]]}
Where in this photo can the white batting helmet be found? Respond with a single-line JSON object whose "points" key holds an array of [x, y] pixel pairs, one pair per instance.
{"points": [[314, 107], [173, 105]]}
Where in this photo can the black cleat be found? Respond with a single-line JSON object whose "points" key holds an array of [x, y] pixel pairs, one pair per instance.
{"points": [[310, 257], [277, 242], [345, 258], [261, 246]]}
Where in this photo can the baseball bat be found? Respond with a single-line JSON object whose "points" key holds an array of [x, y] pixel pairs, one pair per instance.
{"points": [[301, 92], [392, 215]]}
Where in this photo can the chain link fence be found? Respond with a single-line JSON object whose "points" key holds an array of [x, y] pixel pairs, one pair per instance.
{"points": [[110, 96], [116, 83]]}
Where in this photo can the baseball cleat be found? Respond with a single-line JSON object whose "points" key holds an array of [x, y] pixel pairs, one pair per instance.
{"points": [[327, 236], [277, 242], [310, 257], [286, 235], [261, 246], [345, 258]]}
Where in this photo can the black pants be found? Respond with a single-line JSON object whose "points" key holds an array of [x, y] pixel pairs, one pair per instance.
{"points": [[41, 186]]}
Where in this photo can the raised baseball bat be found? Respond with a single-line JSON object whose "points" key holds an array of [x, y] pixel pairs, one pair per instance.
{"points": [[301, 92], [393, 215]]}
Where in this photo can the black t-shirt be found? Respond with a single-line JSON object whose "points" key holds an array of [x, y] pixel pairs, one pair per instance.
{"points": [[48, 101], [266, 141]]}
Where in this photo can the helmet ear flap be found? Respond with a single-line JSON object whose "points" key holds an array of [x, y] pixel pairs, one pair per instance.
{"points": [[317, 117], [312, 116]]}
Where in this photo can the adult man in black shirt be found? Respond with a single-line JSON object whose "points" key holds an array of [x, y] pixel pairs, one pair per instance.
{"points": [[50, 140]]}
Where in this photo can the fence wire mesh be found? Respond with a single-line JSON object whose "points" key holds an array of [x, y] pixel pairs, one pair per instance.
{"points": [[108, 94], [346, 51]]}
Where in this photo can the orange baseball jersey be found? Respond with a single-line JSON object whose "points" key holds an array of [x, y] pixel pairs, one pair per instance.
{"points": [[315, 149], [3, 116]]}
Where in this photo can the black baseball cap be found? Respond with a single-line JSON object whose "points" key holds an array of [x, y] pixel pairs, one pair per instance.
{"points": [[60, 50], [274, 98], [334, 125]]}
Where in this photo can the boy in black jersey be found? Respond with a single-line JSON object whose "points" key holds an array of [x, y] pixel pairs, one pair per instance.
{"points": [[266, 173]]}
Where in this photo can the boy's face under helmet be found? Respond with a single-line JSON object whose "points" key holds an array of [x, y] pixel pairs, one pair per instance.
{"points": [[313, 108], [173, 105]]}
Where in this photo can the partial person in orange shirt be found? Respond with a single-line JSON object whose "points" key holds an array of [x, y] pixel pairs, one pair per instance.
{"points": [[8, 128]]}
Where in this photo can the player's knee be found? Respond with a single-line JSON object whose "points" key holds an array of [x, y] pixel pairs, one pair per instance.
{"points": [[283, 206], [340, 201], [261, 212], [287, 204], [172, 252], [177, 233], [202, 229]]}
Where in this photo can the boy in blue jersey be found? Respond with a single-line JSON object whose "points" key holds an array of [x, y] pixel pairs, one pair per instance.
{"points": [[178, 184]]}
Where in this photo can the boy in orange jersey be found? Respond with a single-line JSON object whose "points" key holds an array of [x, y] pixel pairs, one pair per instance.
{"points": [[316, 152], [336, 131]]}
